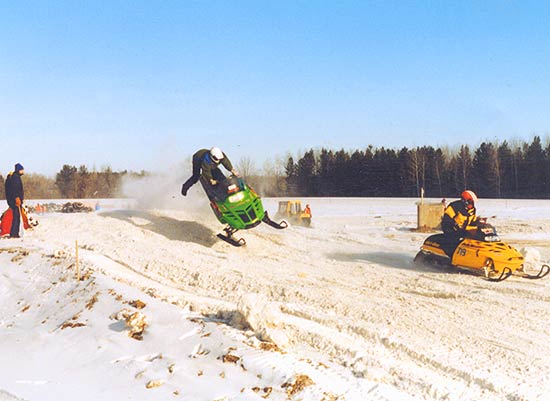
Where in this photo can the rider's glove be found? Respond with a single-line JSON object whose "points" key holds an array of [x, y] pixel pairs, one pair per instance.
{"points": [[213, 182], [235, 172]]}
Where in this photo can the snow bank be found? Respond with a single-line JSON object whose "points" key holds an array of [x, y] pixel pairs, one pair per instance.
{"points": [[264, 317], [341, 303], [98, 338], [5, 396]]}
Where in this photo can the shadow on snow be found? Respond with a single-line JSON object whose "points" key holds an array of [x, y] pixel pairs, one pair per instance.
{"points": [[176, 230], [402, 261]]}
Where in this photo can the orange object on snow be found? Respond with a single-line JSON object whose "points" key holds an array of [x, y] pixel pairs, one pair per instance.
{"points": [[7, 218]]}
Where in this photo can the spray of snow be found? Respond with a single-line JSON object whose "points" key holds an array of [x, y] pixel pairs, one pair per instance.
{"points": [[531, 256], [162, 191]]}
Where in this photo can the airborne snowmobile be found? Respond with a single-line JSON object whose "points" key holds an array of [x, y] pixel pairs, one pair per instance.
{"points": [[237, 205], [482, 253]]}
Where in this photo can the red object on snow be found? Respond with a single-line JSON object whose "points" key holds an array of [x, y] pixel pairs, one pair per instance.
{"points": [[7, 218]]}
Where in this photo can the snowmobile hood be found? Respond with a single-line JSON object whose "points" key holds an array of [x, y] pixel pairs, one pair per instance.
{"points": [[473, 253]]}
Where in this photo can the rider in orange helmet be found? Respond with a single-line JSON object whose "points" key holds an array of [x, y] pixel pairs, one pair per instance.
{"points": [[460, 216]]}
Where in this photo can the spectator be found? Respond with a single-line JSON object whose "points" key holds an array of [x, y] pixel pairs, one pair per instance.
{"points": [[15, 197]]}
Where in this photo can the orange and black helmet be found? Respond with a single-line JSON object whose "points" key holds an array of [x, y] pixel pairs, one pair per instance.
{"points": [[469, 198]]}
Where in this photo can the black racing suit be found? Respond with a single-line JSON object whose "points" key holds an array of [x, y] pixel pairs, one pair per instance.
{"points": [[458, 221], [14, 190], [204, 166]]}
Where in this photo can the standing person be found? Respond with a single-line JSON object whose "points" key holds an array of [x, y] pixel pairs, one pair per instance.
{"points": [[206, 164], [15, 197]]}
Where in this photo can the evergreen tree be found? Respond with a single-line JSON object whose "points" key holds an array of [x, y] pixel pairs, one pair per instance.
{"points": [[291, 172], [485, 171], [342, 175], [355, 184], [370, 178], [533, 173], [325, 172], [547, 171], [82, 182], [438, 166], [306, 174], [434, 163], [517, 167], [505, 171], [65, 180], [406, 183], [392, 178]]}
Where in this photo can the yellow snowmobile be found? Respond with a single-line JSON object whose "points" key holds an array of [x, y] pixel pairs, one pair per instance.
{"points": [[483, 253]]}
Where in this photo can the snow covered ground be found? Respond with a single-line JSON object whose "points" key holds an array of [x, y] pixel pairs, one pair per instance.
{"points": [[337, 311]]}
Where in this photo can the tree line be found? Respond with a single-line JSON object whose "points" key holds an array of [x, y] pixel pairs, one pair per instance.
{"points": [[73, 182], [492, 170]]}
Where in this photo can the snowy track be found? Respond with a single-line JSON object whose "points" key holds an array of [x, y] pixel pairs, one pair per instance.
{"points": [[346, 288]]}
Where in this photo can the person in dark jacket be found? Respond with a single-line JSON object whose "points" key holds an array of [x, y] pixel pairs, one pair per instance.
{"points": [[460, 216], [206, 164], [459, 221], [15, 196]]}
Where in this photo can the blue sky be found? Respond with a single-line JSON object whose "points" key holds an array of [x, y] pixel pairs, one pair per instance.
{"points": [[140, 85]]}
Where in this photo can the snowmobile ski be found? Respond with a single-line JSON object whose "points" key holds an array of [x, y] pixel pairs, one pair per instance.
{"points": [[506, 272], [228, 237], [283, 224], [544, 270]]}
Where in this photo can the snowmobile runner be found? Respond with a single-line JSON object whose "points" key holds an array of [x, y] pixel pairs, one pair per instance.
{"points": [[237, 205], [483, 253]]}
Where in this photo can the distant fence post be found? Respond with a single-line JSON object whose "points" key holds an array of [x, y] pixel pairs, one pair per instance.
{"points": [[76, 263]]}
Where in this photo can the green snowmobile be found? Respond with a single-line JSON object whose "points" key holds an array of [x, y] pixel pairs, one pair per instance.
{"points": [[237, 205]]}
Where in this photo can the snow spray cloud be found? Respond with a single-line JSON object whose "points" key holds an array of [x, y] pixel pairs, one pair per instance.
{"points": [[163, 191]]}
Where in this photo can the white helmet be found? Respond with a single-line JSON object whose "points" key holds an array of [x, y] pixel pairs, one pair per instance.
{"points": [[216, 154]]}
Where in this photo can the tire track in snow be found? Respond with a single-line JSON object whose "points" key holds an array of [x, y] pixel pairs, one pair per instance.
{"points": [[347, 304], [345, 347]]}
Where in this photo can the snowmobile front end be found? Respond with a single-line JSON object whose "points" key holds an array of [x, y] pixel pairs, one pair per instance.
{"points": [[484, 254]]}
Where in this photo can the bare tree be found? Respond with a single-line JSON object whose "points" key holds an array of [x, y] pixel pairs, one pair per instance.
{"points": [[245, 167], [465, 167], [38, 186], [418, 168]]}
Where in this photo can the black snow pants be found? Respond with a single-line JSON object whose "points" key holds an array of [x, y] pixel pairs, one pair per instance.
{"points": [[16, 221], [450, 241], [197, 161]]}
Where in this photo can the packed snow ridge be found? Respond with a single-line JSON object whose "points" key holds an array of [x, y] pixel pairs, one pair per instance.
{"points": [[338, 311]]}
